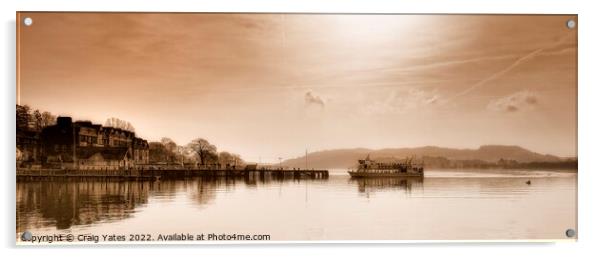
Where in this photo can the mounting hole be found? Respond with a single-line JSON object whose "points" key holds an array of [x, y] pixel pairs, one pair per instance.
{"points": [[570, 232], [571, 24], [26, 236], [27, 21]]}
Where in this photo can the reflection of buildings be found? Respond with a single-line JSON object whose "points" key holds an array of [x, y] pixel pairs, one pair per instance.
{"points": [[367, 185], [67, 203], [83, 145], [202, 189]]}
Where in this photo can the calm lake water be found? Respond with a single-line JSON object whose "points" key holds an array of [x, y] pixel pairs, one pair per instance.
{"points": [[444, 205]]}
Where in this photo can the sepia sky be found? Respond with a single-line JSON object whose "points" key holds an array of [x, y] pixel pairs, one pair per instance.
{"points": [[272, 85]]}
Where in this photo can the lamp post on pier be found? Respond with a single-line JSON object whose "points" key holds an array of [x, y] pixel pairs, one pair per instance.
{"points": [[280, 162]]}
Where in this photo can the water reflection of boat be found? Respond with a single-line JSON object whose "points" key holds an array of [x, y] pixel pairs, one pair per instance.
{"points": [[371, 168], [387, 183]]}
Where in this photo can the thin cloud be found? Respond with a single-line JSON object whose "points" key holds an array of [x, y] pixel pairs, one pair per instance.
{"points": [[399, 101], [508, 68], [515, 102], [313, 99]]}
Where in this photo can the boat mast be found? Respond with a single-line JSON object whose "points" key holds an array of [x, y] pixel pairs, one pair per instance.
{"points": [[305, 158]]}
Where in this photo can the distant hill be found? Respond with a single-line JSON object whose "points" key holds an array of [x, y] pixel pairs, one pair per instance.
{"points": [[347, 158]]}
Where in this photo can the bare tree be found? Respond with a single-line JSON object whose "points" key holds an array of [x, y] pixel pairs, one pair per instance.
{"points": [[37, 120], [48, 119], [169, 144], [120, 124], [203, 150], [157, 152], [23, 117], [237, 159], [182, 154], [171, 147], [226, 158]]}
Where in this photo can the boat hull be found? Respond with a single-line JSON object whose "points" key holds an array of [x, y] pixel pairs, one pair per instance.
{"points": [[357, 174]]}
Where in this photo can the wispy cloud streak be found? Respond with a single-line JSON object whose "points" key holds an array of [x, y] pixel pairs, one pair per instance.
{"points": [[508, 68]]}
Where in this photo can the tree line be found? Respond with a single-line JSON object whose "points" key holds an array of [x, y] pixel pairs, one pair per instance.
{"points": [[445, 163], [33, 120], [198, 151]]}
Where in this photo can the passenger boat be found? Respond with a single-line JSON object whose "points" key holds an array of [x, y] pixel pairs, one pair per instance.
{"points": [[371, 168]]}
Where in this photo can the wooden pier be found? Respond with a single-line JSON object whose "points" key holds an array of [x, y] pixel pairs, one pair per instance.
{"points": [[283, 173], [171, 173], [183, 173], [32, 174]]}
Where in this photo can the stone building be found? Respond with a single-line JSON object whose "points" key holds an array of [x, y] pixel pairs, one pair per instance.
{"points": [[84, 145]]}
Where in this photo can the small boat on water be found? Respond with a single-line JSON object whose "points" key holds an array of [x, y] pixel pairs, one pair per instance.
{"points": [[371, 168]]}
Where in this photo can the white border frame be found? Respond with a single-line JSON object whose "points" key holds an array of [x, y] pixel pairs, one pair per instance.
{"points": [[589, 126]]}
